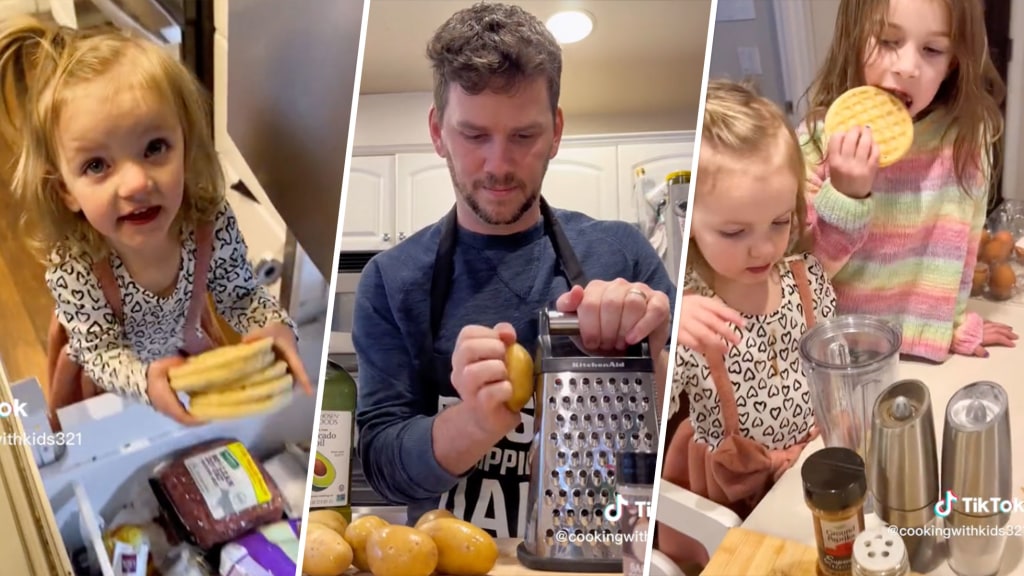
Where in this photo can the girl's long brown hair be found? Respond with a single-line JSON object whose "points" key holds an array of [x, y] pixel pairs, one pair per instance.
{"points": [[39, 63], [970, 95]]}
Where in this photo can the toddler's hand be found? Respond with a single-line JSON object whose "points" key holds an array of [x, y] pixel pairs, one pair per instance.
{"points": [[853, 162], [704, 324], [163, 398], [287, 348], [995, 334]]}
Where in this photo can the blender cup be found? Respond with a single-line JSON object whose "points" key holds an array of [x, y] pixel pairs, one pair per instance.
{"points": [[848, 361]]}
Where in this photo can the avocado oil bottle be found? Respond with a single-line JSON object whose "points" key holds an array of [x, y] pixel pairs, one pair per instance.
{"points": [[332, 469]]}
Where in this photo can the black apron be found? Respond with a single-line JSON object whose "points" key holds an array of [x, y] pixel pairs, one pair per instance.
{"points": [[492, 482]]}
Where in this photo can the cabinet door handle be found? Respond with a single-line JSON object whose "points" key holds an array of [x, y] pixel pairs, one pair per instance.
{"points": [[386, 237], [401, 236]]}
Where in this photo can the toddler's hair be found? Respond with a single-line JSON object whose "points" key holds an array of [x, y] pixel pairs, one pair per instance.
{"points": [[741, 126], [39, 63], [970, 94]]}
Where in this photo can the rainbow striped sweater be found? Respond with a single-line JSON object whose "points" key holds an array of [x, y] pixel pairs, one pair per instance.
{"points": [[907, 252]]}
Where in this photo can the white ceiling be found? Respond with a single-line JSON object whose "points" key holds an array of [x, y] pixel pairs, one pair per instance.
{"points": [[644, 58]]}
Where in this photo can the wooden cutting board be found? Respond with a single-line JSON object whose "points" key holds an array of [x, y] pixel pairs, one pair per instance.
{"points": [[748, 552]]}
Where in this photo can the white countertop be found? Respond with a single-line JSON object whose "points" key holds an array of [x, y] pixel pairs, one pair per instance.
{"points": [[784, 514]]}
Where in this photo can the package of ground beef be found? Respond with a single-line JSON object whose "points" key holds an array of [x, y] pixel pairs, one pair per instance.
{"points": [[215, 491]]}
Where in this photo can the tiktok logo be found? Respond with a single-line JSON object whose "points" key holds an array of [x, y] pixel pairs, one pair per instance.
{"points": [[613, 511], [945, 506]]}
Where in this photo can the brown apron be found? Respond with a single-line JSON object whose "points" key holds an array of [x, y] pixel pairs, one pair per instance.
{"points": [[741, 471], [68, 382]]}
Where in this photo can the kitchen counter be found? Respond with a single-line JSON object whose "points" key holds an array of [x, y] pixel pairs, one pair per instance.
{"points": [[507, 564], [782, 513]]}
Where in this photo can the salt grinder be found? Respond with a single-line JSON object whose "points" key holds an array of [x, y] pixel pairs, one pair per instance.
{"points": [[976, 465], [903, 470]]}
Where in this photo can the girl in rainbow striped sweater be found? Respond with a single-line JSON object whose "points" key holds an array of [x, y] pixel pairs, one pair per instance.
{"points": [[901, 242]]}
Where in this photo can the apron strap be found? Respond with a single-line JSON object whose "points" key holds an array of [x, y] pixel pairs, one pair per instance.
{"points": [[108, 284], [799, 269], [197, 304]]}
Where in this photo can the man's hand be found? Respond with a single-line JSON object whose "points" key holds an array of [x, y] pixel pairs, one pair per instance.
{"points": [[480, 377], [615, 315]]}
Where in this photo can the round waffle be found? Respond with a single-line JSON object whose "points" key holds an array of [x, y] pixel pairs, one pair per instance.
{"points": [[208, 412], [891, 126], [224, 374], [247, 394]]}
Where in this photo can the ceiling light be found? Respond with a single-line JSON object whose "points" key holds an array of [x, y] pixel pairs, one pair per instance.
{"points": [[571, 26]]}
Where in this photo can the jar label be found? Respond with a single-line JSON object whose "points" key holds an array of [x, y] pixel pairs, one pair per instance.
{"points": [[837, 539]]}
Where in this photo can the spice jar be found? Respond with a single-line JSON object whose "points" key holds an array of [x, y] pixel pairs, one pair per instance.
{"points": [[880, 552], [835, 486], [635, 485]]}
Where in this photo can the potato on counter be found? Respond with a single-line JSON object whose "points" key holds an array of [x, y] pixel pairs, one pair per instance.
{"points": [[401, 551], [463, 549], [357, 533], [326, 553]]}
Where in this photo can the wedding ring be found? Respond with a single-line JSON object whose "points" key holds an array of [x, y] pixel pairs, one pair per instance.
{"points": [[638, 292]]}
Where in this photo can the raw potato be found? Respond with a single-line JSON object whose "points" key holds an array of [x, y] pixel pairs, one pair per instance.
{"points": [[329, 518], [519, 365], [401, 551], [356, 535], [463, 549], [433, 515], [326, 552]]}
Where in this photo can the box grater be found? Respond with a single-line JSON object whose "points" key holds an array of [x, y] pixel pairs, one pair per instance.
{"points": [[588, 408]]}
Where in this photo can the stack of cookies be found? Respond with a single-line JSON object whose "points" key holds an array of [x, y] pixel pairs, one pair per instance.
{"points": [[234, 381]]}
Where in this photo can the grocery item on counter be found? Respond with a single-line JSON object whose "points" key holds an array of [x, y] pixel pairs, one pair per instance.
{"points": [[185, 560], [214, 492], [329, 518], [270, 550], [892, 129], [128, 549], [519, 365], [290, 477], [234, 381], [332, 470], [401, 551], [326, 553], [994, 275], [356, 535], [835, 487], [462, 548], [635, 476]]}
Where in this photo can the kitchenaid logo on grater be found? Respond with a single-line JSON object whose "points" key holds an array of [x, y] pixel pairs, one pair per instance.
{"points": [[977, 506], [582, 365]]}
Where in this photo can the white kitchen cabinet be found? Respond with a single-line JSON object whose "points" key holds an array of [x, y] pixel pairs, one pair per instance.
{"points": [[657, 159], [393, 195], [583, 180], [423, 192], [369, 223]]}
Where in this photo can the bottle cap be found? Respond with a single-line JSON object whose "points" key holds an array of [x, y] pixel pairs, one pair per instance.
{"points": [[879, 551], [834, 479], [636, 467]]}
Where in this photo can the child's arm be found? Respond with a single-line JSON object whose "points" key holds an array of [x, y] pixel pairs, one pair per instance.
{"points": [[244, 303], [838, 223], [95, 338], [968, 327]]}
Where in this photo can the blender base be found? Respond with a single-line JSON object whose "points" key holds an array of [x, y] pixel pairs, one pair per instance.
{"points": [[540, 564]]}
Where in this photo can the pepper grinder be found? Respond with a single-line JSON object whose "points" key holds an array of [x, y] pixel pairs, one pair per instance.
{"points": [[976, 464], [903, 469]]}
